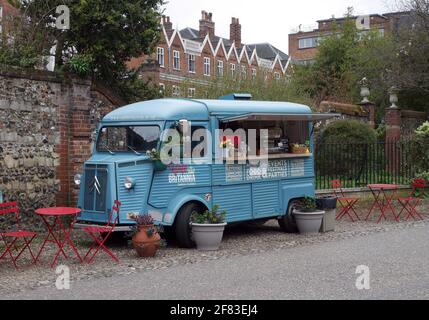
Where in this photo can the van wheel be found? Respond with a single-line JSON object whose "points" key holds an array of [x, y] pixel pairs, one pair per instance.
{"points": [[183, 228], [287, 223]]}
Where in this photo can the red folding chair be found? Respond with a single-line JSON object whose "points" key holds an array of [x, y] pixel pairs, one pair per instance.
{"points": [[14, 235], [100, 234], [410, 203], [346, 203]]}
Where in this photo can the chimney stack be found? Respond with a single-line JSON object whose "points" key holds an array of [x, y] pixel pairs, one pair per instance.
{"points": [[235, 32], [207, 26], [168, 25]]}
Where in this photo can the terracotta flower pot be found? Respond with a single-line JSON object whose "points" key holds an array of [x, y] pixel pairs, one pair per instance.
{"points": [[144, 244]]}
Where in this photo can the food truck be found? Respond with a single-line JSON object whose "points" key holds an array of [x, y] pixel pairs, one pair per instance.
{"points": [[250, 184]]}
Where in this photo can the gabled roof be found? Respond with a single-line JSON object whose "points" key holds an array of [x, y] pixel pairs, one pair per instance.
{"points": [[245, 53], [189, 33], [268, 51]]}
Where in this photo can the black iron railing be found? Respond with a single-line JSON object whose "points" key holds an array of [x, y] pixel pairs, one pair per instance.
{"points": [[360, 164]]}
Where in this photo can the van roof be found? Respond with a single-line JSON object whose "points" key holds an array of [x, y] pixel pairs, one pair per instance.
{"points": [[192, 109]]}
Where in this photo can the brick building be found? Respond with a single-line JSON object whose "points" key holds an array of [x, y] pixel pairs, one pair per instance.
{"points": [[196, 57], [6, 11], [303, 44]]}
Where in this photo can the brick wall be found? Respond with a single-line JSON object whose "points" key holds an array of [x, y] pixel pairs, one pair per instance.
{"points": [[46, 132]]}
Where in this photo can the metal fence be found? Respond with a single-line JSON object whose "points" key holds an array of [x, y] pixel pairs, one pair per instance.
{"points": [[360, 164]]}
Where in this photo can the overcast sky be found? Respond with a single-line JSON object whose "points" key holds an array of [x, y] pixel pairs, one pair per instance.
{"points": [[268, 20]]}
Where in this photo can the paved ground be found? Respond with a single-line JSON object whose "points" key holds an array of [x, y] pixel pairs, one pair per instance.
{"points": [[397, 259]]}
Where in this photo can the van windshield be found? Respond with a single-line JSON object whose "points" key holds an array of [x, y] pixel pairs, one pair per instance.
{"points": [[137, 139]]}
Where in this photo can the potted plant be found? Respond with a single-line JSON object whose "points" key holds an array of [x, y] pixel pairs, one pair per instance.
{"points": [[329, 205], [146, 239], [308, 218], [154, 155], [207, 228]]}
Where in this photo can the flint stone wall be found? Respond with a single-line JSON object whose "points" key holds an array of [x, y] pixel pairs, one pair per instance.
{"points": [[46, 130]]}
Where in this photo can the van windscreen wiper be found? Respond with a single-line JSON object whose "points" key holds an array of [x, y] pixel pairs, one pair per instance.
{"points": [[108, 150], [134, 150]]}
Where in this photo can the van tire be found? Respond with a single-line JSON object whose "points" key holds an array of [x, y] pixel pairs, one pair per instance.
{"points": [[287, 223], [183, 227]]}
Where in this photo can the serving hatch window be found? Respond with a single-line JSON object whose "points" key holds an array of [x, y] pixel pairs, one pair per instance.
{"points": [[128, 139], [282, 135]]}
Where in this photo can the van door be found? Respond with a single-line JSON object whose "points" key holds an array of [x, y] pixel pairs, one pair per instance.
{"points": [[231, 192], [266, 193]]}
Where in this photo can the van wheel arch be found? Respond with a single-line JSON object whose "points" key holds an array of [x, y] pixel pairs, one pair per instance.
{"points": [[181, 226], [287, 222]]}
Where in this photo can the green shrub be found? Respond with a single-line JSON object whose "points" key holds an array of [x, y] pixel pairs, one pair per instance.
{"points": [[419, 149], [348, 131], [80, 64], [345, 147]]}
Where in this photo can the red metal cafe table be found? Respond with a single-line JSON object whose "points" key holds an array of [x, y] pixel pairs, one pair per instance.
{"points": [[61, 237], [382, 199]]}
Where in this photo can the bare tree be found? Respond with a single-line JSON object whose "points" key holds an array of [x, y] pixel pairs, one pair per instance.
{"points": [[410, 68]]}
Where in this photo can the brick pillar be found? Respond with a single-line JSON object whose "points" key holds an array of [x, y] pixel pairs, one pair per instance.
{"points": [[62, 146], [393, 124], [393, 134], [74, 140], [80, 132]]}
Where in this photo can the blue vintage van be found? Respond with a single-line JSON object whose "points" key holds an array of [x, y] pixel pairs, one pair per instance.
{"points": [[120, 168]]}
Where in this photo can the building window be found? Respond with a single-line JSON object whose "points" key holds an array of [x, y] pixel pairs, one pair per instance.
{"points": [[305, 62], [220, 68], [306, 43], [276, 76], [206, 66], [243, 72], [232, 69], [191, 92], [176, 60], [160, 56], [253, 73], [175, 92], [191, 63]]}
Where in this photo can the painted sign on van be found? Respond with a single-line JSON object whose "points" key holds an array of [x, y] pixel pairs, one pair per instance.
{"points": [[275, 169]]}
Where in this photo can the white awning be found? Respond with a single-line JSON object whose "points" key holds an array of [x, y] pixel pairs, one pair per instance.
{"points": [[310, 117]]}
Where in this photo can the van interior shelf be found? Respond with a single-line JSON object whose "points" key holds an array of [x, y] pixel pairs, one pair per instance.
{"points": [[276, 156]]}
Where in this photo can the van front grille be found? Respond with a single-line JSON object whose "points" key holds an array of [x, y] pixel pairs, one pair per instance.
{"points": [[95, 188]]}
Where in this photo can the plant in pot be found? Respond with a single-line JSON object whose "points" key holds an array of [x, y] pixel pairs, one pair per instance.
{"points": [[207, 228], [308, 218], [146, 239], [155, 156]]}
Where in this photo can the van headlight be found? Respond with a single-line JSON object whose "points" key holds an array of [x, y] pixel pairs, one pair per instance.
{"points": [[129, 183], [77, 179]]}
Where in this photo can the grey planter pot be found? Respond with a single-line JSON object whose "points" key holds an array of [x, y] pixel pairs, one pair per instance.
{"points": [[308, 222], [208, 236]]}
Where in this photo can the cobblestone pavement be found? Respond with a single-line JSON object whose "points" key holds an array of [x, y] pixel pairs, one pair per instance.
{"points": [[238, 241]]}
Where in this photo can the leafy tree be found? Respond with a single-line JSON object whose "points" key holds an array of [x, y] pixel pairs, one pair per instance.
{"points": [[260, 88], [410, 67], [344, 58], [103, 36]]}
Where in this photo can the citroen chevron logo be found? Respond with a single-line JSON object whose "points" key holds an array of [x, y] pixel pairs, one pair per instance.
{"points": [[96, 185]]}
